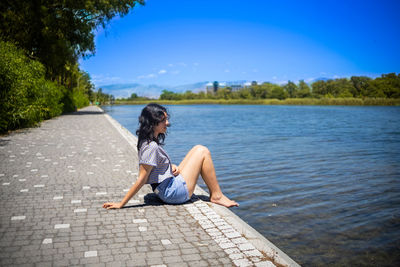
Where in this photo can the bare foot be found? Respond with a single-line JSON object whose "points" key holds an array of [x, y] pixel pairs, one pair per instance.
{"points": [[224, 201]]}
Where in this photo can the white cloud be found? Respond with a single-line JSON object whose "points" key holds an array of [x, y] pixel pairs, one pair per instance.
{"points": [[170, 65], [182, 64], [227, 70], [175, 72], [162, 72], [196, 64], [149, 76], [274, 78]]}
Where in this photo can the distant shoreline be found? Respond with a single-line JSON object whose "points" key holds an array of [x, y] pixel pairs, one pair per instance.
{"points": [[288, 101]]}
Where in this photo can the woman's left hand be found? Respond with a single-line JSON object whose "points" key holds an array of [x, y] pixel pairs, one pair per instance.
{"points": [[111, 205], [175, 170]]}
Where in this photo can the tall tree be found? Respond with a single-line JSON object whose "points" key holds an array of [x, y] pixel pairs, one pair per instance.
{"points": [[304, 89], [58, 32], [319, 88], [290, 88], [390, 84], [360, 85], [343, 87]]}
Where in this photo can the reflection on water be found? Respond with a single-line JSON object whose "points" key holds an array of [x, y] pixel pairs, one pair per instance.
{"points": [[322, 183]]}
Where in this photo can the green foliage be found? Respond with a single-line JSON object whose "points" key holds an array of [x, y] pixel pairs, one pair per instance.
{"points": [[26, 97], [79, 98], [58, 32], [278, 93], [354, 91], [291, 89], [224, 93], [304, 90], [41, 42], [244, 93], [361, 85], [169, 95], [102, 98], [386, 86], [384, 90]]}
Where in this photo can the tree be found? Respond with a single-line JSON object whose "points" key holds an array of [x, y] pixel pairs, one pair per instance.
{"points": [[58, 32], [389, 84], [133, 96], [201, 95], [103, 98], [259, 91], [26, 97], [304, 90], [360, 85], [319, 89], [278, 92], [224, 93], [189, 95], [169, 95], [291, 89], [343, 87]]}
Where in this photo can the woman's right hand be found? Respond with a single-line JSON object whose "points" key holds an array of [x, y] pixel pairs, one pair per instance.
{"points": [[175, 170], [112, 205]]}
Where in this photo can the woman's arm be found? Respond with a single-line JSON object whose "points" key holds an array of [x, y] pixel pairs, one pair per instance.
{"points": [[175, 170], [144, 172]]}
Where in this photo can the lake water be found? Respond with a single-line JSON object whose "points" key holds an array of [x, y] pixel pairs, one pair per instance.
{"points": [[321, 182]]}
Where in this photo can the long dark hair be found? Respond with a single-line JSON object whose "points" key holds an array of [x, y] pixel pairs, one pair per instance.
{"points": [[151, 115]]}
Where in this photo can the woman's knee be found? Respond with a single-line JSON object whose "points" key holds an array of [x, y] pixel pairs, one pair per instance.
{"points": [[201, 149]]}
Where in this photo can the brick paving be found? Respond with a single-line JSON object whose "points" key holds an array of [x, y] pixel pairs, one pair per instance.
{"points": [[53, 182]]}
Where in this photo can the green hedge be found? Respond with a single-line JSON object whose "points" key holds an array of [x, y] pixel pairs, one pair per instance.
{"points": [[26, 97]]}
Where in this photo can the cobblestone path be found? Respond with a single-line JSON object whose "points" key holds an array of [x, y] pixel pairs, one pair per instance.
{"points": [[53, 182]]}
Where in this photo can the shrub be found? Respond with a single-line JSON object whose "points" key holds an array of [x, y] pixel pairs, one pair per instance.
{"points": [[26, 97]]}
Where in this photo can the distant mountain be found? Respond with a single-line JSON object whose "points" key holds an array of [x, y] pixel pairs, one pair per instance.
{"points": [[154, 91], [194, 87], [125, 90], [151, 91]]}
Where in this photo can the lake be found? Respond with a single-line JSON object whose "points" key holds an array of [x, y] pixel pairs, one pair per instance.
{"points": [[320, 182]]}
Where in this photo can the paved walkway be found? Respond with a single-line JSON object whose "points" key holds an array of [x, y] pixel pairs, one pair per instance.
{"points": [[54, 180]]}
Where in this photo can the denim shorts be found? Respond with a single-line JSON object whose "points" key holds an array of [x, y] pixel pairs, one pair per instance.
{"points": [[173, 190]]}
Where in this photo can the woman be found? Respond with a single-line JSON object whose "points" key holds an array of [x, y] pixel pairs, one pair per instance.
{"points": [[173, 184]]}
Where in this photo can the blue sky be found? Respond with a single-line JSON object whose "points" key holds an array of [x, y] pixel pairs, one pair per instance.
{"points": [[169, 42]]}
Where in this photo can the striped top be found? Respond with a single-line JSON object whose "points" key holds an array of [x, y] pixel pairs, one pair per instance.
{"points": [[154, 155]]}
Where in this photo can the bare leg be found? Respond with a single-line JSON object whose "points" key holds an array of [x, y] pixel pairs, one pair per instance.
{"points": [[199, 161]]}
